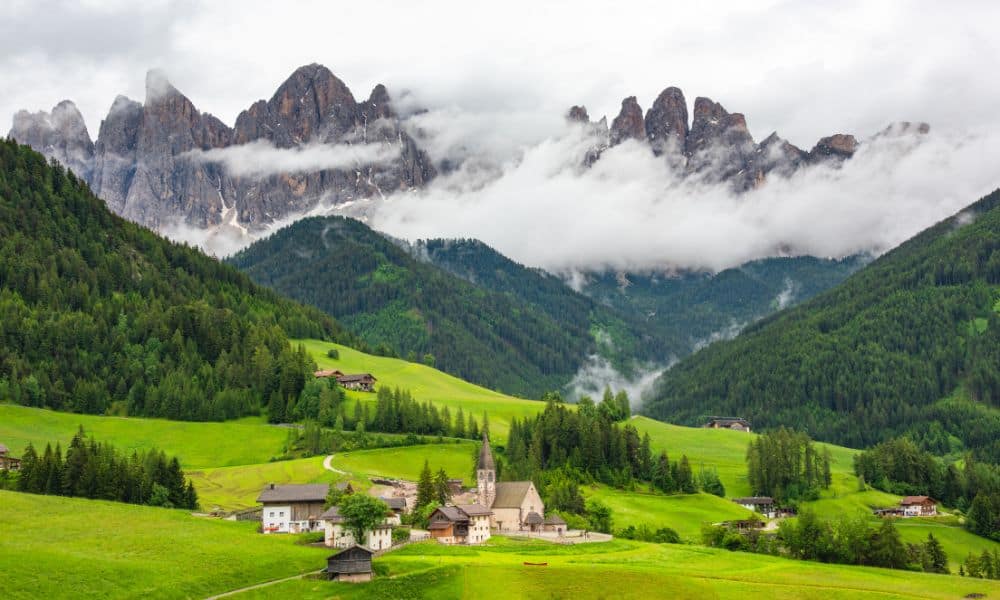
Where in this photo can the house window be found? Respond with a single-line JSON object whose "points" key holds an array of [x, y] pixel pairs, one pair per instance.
{"points": [[272, 513], [281, 514]]}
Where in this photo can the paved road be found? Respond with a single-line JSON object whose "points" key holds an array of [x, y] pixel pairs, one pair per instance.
{"points": [[328, 465]]}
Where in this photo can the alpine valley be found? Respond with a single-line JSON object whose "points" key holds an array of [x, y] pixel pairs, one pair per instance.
{"points": [[449, 339]]}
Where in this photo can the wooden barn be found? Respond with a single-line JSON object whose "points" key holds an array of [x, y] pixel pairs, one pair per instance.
{"points": [[362, 382], [8, 462], [352, 565]]}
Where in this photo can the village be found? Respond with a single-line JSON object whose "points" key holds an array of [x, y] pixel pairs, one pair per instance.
{"points": [[472, 516], [462, 515]]}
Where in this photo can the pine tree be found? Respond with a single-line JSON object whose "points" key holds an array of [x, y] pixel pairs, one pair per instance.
{"points": [[936, 555], [425, 487], [685, 478], [442, 491]]}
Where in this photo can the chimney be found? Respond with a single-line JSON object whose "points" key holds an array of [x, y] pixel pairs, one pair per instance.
{"points": [[271, 486]]}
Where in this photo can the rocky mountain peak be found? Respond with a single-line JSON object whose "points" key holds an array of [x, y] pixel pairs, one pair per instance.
{"points": [[628, 125], [667, 121], [578, 114], [377, 106], [839, 146], [60, 134]]}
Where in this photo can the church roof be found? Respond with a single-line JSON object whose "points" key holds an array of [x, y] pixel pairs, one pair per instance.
{"points": [[510, 494], [533, 518], [486, 455]]}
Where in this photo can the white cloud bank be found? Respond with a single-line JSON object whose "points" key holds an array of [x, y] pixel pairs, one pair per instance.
{"points": [[629, 211], [261, 158]]}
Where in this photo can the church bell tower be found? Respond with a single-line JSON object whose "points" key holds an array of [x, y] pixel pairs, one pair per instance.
{"points": [[486, 475]]}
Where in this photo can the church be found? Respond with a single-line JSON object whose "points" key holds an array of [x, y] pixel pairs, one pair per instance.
{"points": [[516, 505]]}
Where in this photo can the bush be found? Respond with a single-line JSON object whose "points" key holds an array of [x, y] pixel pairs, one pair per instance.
{"points": [[400, 535], [333, 353], [311, 537]]}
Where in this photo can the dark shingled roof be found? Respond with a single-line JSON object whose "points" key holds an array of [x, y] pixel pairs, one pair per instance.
{"points": [[395, 503], [554, 519], [534, 518], [356, 377], [332, 514], [510, 494], [310, 492], [453, 513], [475, 510], [486, 455], [756, 500]]}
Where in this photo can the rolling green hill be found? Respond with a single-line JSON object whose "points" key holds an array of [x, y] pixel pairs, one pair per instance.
{"points": [[160, 553], [426, 384], [100, 315], [878, 356], [412, 308]]}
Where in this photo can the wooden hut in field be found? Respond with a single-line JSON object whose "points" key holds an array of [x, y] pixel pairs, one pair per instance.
{"points": [[352, 565]]}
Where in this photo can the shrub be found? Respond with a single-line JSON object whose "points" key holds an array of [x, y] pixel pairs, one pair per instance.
{"points": [[333, 353]]}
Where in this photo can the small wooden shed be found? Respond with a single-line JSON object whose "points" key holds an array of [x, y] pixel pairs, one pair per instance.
{"points": [[352, 564]]}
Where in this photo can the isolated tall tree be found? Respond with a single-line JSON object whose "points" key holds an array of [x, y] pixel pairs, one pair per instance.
{"points": [[442, 492], [425, 486]]}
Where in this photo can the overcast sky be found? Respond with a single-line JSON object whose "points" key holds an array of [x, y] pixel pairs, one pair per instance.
{"points": [[499, 77], [804, 68]]}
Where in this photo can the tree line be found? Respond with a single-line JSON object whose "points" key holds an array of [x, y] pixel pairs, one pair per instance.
{"points": [[92, 469], [844, 540], [899, 466], [786, 465]]}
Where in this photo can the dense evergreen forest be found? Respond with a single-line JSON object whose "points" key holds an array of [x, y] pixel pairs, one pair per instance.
{"points": [[647, 315], [93, 469], [100, 315], [908, 345], [406, 307], [786, 465]]}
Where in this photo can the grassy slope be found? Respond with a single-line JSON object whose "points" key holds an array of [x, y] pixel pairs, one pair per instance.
{"points": [[243, 442], [621, 570], [685, 514], [406, 462], [89, 548], [427, 383], [238, 487]]}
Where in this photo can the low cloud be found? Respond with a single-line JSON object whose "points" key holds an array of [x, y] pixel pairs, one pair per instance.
{"points": [[261, 159], [630, 211], [598, 373]]}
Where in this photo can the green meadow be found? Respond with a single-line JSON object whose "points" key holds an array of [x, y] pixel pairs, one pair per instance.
{"points": [[52, 547], [232, 488], [243, 442], [619, 569], [426, 383], [684, 513], [406, 462]]}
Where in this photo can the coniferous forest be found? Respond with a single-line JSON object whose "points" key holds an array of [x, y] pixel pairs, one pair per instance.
{"points": [[100, 315], [92, 469], [908, 345]]}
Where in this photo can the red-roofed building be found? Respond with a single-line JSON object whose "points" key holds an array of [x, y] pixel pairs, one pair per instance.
{"points": [[919, 506]]}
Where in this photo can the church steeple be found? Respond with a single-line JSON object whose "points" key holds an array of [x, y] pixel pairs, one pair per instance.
{"points": [[486, 474]]}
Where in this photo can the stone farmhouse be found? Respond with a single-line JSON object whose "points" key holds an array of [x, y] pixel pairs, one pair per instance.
{"points": [[292, 508], [516, 505], [337, 535], [464, 524]]}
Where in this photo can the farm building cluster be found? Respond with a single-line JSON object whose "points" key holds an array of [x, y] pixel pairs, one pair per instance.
{"points": [[910, 506]]}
